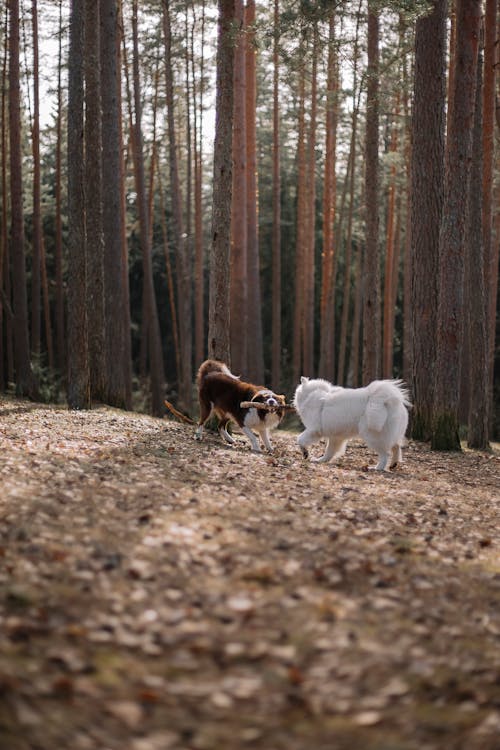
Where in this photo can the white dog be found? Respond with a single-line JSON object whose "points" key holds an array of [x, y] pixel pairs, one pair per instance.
{"points": [[378, 414]]}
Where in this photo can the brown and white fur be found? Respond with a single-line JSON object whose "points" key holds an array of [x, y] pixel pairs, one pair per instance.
{"points": [[221, 392]]}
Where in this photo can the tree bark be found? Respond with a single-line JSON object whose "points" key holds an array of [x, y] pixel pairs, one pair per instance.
{"points": [[477, 328], [255, 337], [371, 305], [116, 283], [93, 203], [184, 293], [327, 344], [426, 206], [78, 394], [450, 320], [25, 380], [276, 239], [156, 368], [218, 314], [239, 225]]}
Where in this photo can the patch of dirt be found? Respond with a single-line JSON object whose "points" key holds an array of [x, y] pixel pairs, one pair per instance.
{"points": [[158, 593]]}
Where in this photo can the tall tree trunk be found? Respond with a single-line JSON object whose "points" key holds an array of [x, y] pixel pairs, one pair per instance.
{"points": [[276, 241], [156, 368], [390, 276], [255, 336], [301, 234], [25, 380], [427, 175], [116, 284], [310, 208], [199, 336], [353, 374], [5, 372], [93, 203], [490, 254], [218, 314], [351, 175], [59, 293], [371, 306], [78, 394], [453, 231], [477, 322], [327, 344], [184, 295], [36, 251], [239, 226]]}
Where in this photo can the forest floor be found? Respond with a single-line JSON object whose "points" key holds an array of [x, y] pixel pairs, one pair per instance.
{"points": [[157, 593]]}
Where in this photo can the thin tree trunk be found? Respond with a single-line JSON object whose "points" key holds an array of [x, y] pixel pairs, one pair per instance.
{"points": [[276, 241], [93, 203], [116, 294], [326, 358], [346, 292], [309, 240], [490, 254], [353, 374], [255, 336], [218, 323], [350, 178], [5, 373], [199, 336], [390, 278], [478, 417], [371, 307], [25, 381], [59, 293], [184, 295], [450, 322], [300, 235], [78, 394], [36, 250], [154, 339], [239, 225]]}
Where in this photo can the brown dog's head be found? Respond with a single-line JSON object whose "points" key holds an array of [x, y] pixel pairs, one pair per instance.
{"points": [[273, 401]]}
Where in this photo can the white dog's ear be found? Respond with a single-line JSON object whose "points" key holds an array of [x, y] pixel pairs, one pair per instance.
{"points": [[303, 380]]}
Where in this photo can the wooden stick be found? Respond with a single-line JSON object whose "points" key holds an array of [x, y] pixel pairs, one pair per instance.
{"points": [[266, 407]]}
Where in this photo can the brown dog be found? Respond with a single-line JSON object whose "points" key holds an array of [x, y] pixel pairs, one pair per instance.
{"points": [[222, 392]]}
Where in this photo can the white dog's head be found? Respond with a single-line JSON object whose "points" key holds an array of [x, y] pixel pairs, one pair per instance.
{"points": [[308, 386]]}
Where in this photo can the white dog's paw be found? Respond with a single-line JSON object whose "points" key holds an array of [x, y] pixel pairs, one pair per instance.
{"points": [[319, 460]]}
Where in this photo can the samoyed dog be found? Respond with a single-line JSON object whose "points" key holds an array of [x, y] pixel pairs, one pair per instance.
{"points": [[377, 414]]}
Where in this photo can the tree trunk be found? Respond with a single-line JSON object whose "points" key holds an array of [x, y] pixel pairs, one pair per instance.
{"points": [[301, 233], [59, 292], [371, 306], [276, 241], [239, 226], [477, 322], [156, 369], [78, 355], [25, 381], [93, 203], [391, 255], [490, 254], [327, 344], [36, 252], [453, 231], [426, 205], [184, 293], [218, 314], [116, 284], [199, 335], [255, 338]]}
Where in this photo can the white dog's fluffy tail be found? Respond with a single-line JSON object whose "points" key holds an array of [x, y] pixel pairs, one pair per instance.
{"points": [[383, 396]]}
